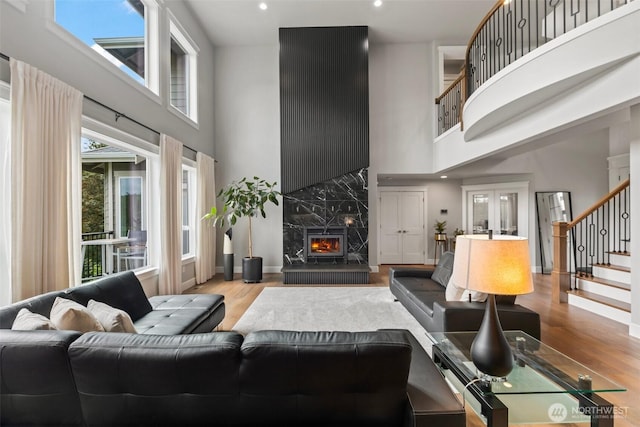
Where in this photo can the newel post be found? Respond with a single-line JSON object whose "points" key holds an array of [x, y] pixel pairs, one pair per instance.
{"points": [[560, 277]]}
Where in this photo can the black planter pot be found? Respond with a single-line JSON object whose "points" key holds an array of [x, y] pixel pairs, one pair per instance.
{"points": [[252, 269]]}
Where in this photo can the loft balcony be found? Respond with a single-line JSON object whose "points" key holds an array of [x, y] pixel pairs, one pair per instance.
{"points": [[526, 78]]}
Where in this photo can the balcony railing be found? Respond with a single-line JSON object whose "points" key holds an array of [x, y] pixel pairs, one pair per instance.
{"points": [[92, 262], [450, 105], [510, 30]]}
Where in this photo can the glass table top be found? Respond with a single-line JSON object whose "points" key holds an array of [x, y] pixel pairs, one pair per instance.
{"points": [[538, 368]]}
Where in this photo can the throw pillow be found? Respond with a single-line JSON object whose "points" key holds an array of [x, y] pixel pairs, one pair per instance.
{"points": [[28, 321], [69, 315], [453, 293], [112, 319], [444, 269]]}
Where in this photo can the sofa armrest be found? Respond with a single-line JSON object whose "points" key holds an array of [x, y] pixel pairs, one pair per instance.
{"points": [[453, 316], [431, 401], [423, 273]]}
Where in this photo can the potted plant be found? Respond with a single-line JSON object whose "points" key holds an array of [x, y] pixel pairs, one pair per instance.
{"points": [[245, 198], [440, 227]]}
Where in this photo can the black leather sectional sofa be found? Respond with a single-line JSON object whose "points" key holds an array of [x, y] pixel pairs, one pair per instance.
{"points": [[423, 293], [174, 374]]}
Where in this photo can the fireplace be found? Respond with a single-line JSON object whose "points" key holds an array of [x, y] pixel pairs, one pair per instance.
{"points": [[325, 243]]}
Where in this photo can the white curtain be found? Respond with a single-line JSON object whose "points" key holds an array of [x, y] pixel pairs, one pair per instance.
{"points": [[46, 119], [206, 233], [5, 204], [170, 279]]}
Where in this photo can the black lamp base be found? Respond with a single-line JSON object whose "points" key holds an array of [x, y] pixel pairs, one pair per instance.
{"points": [[490, 351]]}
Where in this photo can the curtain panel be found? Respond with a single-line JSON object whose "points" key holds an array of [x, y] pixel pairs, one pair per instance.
{"points": [[206, 233], [46, 119], [170, 280]]}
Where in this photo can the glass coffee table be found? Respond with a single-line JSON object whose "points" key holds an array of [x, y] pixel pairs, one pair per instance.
{"points": [[545, 386]]}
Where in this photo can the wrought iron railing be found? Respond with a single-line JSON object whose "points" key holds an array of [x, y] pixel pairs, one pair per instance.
{"points": [[450, 105], [92, 266], [513, 28], [602, 230]]}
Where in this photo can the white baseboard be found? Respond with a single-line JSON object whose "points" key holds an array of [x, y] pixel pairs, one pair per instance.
{"points": [[374, 268], [634, 330], [188, 284]]}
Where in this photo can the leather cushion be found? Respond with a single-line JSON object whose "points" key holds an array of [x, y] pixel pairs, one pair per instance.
{"points": [[37, 386], [121, 290], [172, 302], [40, 304], [157, 380], [171, 322], [324, 378]]}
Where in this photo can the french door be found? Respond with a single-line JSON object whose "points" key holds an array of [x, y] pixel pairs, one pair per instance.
{"points": [[499, 207]]}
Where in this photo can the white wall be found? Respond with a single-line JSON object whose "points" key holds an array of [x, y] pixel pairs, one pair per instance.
{"points": [[401, 81], [33, 37], [247, 118]]}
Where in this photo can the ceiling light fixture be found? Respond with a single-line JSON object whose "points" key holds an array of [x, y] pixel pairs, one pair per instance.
{"points": [[377, 3], [443, 176], [262, 6]]}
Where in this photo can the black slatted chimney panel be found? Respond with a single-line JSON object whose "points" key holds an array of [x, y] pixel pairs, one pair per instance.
{"points": [[324, 104]]}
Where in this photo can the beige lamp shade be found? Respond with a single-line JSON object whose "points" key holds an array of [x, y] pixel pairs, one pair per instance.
{"points": [[498, 266]]}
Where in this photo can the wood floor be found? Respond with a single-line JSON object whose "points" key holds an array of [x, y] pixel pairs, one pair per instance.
{"points": [[599, 343]]}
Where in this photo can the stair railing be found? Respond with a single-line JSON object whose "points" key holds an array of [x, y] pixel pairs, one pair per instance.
{"points": [[603, 229], [510, 30]]}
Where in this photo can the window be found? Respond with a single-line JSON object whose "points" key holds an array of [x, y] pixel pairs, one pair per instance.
{"points": [[114, 206], [183, 90], [122, 31], [188, 210]]}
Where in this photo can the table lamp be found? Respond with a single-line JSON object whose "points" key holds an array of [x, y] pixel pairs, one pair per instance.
{"points": [[495, 266]]}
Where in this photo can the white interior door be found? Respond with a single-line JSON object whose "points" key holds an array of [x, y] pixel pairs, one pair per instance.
{"points": [[390, 228], [402, 227], [412, 211]]}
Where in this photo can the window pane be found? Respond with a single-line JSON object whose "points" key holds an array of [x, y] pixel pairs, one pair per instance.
{"points": [[114, 230], [188, 211], [179, 81], [113, 28]]}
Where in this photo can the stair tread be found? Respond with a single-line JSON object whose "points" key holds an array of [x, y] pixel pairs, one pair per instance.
{"points": [[607, 282], [619, 253], [602, 300], [614, 267]]}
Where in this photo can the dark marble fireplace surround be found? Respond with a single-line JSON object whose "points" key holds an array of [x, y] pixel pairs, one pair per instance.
{"points": [[339, 202]]}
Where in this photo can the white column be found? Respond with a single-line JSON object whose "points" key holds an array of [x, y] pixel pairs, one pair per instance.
{"points": [[634, 151]]}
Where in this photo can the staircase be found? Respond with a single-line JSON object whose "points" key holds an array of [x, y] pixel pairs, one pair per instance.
{"points": [[608, 291], [597, 274]]}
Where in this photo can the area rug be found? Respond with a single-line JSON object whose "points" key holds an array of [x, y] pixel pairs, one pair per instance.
{"points": [[329, 309]]}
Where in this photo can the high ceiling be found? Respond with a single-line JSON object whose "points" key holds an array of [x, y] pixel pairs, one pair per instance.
{"points": [[242, 22]]}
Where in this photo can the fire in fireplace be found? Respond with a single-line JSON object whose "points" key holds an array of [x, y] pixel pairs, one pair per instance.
{"points": [[321, 242], [326, 245]]}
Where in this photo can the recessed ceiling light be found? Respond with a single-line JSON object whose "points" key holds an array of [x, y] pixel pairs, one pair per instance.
{"points": [[377, 3], [443, 176], [262, 6]]}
